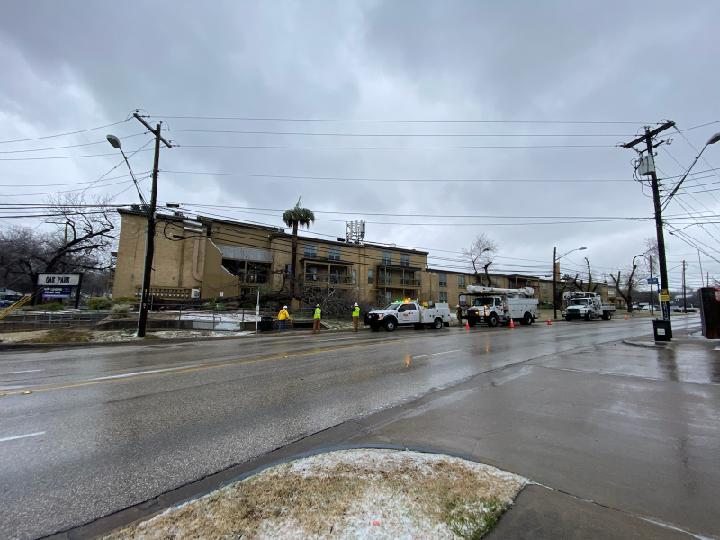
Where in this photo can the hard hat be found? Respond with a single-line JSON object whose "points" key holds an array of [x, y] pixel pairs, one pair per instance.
{"points": [[284, 307], [356, 304], [318, 305]]}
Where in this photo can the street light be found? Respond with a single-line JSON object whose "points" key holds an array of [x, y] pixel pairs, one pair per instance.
{"points": [[712, 140], [149, 249], [554, 275]]}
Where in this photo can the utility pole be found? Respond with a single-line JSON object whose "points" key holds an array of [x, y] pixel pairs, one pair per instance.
{"points": [[150, 240], [647, 138], [683, 287], [554, 287]]}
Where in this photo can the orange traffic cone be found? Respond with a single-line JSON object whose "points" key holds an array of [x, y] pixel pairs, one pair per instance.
{"points": [[467, 325], [626, 317], [512, 324], [549, 322]]}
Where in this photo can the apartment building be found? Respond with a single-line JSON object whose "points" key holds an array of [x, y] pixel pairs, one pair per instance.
{"points": [[210, 258], [205, 257]]}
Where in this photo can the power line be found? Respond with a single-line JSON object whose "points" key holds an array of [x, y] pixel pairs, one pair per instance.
{"points": [[103, 141], [66, 133], [347, 134], [392, 121], [464, 147]]}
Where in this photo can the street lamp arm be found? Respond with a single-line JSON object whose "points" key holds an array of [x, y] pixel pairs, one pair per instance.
{"points": [[569, 252]]}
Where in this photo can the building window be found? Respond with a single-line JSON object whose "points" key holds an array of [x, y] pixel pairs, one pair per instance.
{"points": [[310, 250], [443, 297], [443, 280], [461, 282], [334, 253], [386, 258], [371, 276], [404, 260]]}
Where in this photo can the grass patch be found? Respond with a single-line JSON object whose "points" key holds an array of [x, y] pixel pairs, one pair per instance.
{"points": [[347, 494], [62, 335]]}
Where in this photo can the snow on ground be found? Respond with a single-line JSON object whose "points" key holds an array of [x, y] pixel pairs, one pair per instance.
{"points": [[365, 493]]}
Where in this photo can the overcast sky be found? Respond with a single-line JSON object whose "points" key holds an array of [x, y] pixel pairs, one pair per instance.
{"points": [[362, 67]]}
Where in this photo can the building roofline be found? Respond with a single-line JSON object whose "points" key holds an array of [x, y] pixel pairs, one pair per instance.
{"points": [[278, 231]]}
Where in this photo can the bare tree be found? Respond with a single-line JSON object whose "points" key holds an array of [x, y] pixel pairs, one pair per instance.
{"points": [[626, 283], [79, 240], [481, 255]]}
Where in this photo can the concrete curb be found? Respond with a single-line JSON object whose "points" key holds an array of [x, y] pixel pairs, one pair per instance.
{"points": [[157, 341], [649, 344]]}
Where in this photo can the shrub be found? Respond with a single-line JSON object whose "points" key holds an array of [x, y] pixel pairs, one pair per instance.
{"points": [[51, 306], [99, 302], [119, 311]]}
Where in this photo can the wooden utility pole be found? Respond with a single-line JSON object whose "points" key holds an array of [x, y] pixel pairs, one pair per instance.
{"points": [[150, 240], [647, 138]]}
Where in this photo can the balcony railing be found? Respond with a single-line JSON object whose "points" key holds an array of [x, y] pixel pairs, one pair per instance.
{"points": [[328, 279], [398, 282]]}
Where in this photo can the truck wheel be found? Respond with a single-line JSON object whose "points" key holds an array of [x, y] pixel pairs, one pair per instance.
{"points": [[587, 316], [493, 321], [527, 319], [390, 325], [438, 324], [605, 316]]}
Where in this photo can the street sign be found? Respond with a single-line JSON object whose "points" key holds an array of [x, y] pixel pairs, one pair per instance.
{"points": [[652, 281], [664, 297], [58, 279]]}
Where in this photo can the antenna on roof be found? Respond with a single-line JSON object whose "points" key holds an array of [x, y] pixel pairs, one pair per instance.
{"points": [[355, 231]]}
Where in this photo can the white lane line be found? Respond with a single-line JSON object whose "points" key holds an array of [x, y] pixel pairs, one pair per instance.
{"points": [[13, 437], [421, 356], [25, 371], [445, 352], [133, 373]]}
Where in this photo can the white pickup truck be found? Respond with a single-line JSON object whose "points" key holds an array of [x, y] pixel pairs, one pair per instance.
{"points": [[408, 314], [586, 305]]}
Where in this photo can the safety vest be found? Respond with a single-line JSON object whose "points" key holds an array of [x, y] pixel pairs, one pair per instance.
{"points": [[316, 315], [283, 315], [356, 311]]}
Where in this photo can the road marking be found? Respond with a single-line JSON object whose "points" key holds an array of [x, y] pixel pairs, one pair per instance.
{"points": [[25, 371], [421, 356], [445, 352], [133, 373], [13, 437]]}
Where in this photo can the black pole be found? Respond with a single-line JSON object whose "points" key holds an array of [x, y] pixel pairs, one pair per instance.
{"points": [[77, 292], [149, 242], [554, 285], [664, 284], [683, 285], [652, 299]]}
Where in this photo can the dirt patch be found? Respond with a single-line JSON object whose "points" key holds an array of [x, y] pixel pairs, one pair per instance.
{"points": [[347, 494], [60, 335]]}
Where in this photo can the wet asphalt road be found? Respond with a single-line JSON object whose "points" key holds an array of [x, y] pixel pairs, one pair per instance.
{"points": [[106, 428]]}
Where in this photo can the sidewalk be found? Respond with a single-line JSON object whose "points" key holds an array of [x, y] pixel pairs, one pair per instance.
{"points": [[621, 441]]}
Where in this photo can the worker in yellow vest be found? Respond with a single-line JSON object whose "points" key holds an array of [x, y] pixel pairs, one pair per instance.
{"points": [[356, 316], [316, 320], [283, 316]]}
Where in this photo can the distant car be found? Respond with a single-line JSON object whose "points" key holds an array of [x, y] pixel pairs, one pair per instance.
{"points": [[6, 303]]}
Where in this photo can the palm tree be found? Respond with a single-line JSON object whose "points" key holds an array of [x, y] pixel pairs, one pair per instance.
{"points": [[293, 218]]}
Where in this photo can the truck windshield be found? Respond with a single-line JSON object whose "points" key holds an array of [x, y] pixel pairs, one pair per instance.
{"points": [[483, 302], [393, 306], [579, 302]]}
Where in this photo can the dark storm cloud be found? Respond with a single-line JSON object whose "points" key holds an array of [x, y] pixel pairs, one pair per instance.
{"points": [[75, 64]]}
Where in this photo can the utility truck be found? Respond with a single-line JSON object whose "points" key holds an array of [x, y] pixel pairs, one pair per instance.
{"points": [[586, 305], [494, 306], [408, 313]]}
